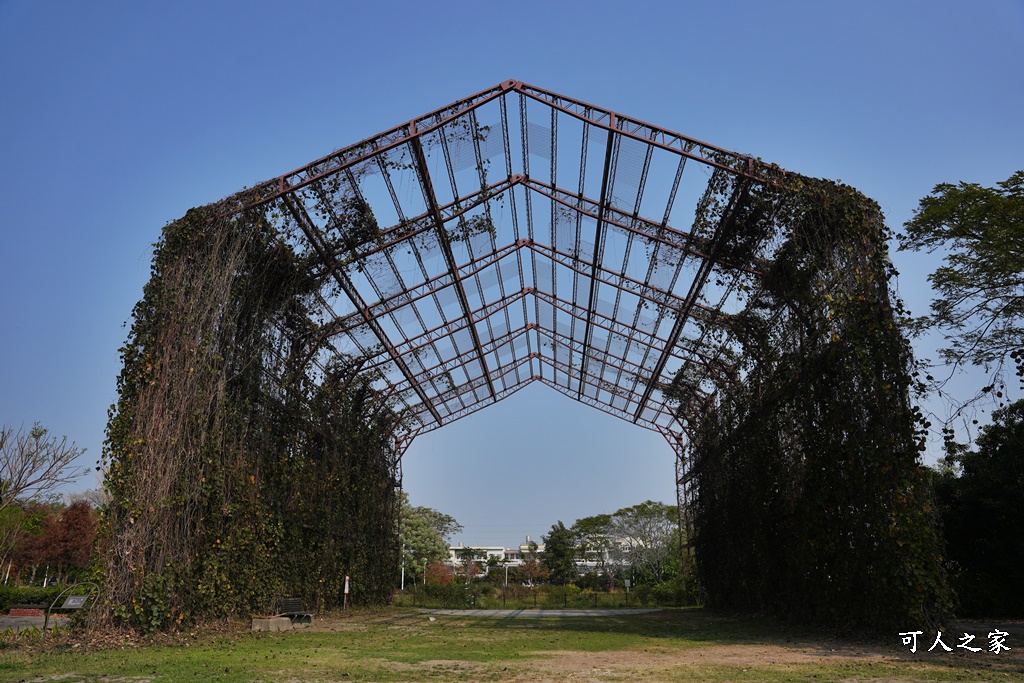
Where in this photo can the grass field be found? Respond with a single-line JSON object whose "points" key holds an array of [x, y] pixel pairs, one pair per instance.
{"points": [[404, 645]]}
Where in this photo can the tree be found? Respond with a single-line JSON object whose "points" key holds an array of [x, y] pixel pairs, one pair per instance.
{"points": [[560, 555], [593, 539], [532, 568], [439, 574], [981, 500], [12, 521], [30, 548], [424, 534], [74, 536], [644, 537], [59, 537], [470, 558], [980, 308], [443, 524], [33, 463]]}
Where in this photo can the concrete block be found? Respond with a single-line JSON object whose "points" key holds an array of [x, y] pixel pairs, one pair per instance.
{"points": [[271, 624]]}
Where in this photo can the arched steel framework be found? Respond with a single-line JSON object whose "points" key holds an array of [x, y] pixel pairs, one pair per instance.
{"points": [[515, 236]]}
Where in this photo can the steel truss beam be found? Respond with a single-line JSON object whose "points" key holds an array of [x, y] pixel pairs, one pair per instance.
{"points": [[644, 132], [346, 285], [722, 232], [687, 243], [423, 174], [598, 242], [445, 323], [367, 149]]}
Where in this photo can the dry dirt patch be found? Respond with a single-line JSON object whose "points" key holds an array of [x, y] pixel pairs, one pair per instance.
{"points": [[728, 655], [645, 664]]}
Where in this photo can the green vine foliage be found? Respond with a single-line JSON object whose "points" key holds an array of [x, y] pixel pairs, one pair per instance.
{"points": [[810, 497], [236, 477]]}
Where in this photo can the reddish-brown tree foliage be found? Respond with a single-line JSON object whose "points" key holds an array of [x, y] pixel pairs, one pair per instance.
{"points": [[72, 536], [57, 539], [439, 574]]}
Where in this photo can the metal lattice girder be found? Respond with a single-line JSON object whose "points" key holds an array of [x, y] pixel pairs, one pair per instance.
{"points": [[514, 236]]}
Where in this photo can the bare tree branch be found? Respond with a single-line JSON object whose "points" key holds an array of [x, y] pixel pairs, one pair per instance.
{"points": [[33, 463]]}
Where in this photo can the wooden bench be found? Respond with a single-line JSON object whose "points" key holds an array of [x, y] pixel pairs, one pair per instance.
{"points": [[294, 610]]}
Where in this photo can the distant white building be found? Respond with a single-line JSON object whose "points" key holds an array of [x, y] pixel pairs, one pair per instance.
{"points": [[516, 557], [513, 557]]}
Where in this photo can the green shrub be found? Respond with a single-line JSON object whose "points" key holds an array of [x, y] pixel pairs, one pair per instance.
{"points": [[452, 596], [481, 589], [642, 595], [27, 595]]}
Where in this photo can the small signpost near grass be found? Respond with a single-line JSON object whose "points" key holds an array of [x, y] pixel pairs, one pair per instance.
{"points": [[77, 600]]}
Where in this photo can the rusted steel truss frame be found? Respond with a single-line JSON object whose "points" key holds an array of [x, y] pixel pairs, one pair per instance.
{"points": [[323, 205], [594, 403], [616, 327], [576, 349], [399, 234], [594, 381], [500, 370], [428, 192], [643, 290], [722, 232], [407, 438], [613, 326], [598, 244], [644, 132], [418, 367], [367, 149], [647, 292], [688, 243], [413, 346], [663, 299], [414, 294], [417, 225], [593, 115], [306, 225]]}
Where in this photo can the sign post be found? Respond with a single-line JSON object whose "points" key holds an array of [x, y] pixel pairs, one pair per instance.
{"points": [[344, 599]]}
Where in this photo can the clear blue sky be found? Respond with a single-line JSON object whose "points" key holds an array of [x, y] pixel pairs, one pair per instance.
{"points": [[117, 117]]}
